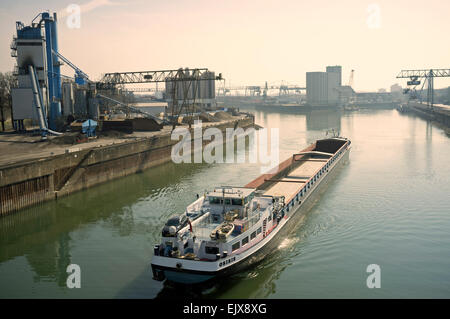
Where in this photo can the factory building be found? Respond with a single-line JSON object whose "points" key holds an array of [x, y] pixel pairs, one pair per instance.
{"points": [[322, 88], [28, 47], [41, 94]]}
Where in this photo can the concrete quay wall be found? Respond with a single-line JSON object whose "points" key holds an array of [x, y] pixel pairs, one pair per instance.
{"points": [[28, 183]]}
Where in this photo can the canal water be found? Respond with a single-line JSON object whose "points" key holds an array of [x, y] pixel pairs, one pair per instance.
{"points": [[389, 206]]}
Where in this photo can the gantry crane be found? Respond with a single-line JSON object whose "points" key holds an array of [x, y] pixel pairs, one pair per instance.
{"points": [[428, 75], [350, 80], [253, 90], [285, 89], [189, 79]]}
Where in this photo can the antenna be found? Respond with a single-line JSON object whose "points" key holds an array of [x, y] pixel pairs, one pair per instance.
{"points": [[223, 195]]}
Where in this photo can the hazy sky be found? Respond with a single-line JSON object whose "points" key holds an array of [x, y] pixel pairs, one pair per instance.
{"points": [[248, 41]]}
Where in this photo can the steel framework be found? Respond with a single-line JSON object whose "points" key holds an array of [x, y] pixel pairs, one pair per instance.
{"points": [[256, 89], [153, 76], [284, 89], [428, 75], [189, 78], [141, 90]]}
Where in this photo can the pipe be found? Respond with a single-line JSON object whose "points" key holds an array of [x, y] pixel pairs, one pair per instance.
{"points": [[41, 99], [53, 132], [48, 49], [56, 66], [37, 100]]}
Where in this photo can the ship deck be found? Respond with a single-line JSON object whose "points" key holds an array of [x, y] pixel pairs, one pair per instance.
{"points": [[290, 185], [298, 172], [204, 230]]}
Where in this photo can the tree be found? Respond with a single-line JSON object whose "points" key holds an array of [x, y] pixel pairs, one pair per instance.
{"points": [[7, 82]]}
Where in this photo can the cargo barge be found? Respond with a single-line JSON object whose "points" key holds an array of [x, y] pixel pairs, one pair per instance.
{"points": [[231, 228]]}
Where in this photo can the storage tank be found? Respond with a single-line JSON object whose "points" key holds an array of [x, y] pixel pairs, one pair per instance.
{"points": [[67, 98], [184, 89], [208, 85], [317, 88], [94, 108], [80, 105], [212, 86]]}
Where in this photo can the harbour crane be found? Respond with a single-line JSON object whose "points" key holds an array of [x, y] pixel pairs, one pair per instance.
{"points": [[222, 90], [186, 80], [285, 89], [110, 79], [350, 80], [428, 75], [253, 90]]}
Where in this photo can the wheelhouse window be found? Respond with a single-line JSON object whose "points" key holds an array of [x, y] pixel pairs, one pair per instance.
{"points": [[253, 235], [245, 241], [236, 201], [249, 198], [214, 200], [173, 222], [235, 246], [259, 230]]}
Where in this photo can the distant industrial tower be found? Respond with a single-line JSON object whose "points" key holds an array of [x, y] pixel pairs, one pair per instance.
{"points": [[336, 69], [316, 88], [322, 88]]}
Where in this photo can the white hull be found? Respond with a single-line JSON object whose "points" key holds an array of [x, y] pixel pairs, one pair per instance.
{"points": [[195, 271]]}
